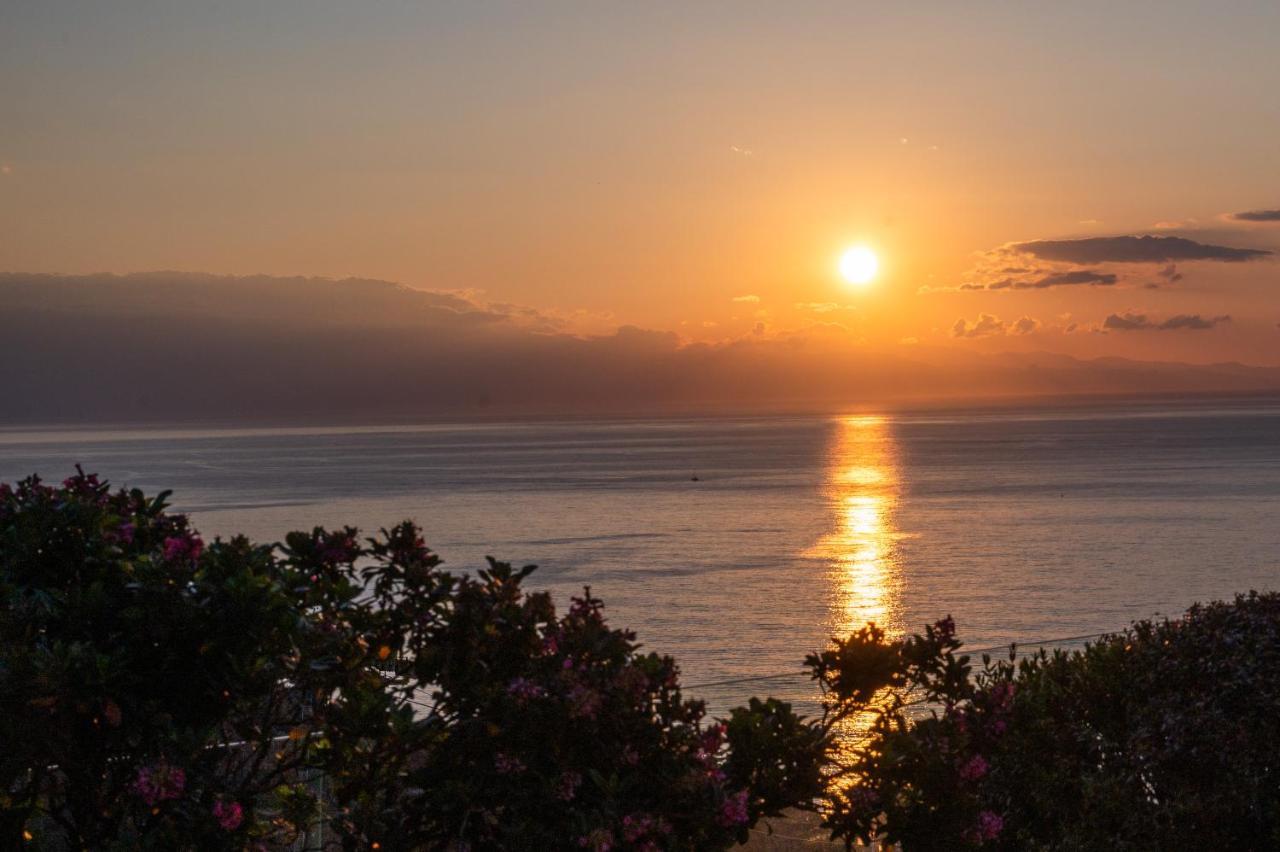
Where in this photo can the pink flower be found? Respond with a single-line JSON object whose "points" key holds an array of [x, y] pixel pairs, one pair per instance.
{"points": [[159, 782], [989, 826], [975, 768], [184, 546], [637, 829], [228, 814], [733, 810], [523, 689]]}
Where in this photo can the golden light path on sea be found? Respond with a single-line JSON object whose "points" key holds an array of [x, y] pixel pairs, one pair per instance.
{"points": [[861, 551]]}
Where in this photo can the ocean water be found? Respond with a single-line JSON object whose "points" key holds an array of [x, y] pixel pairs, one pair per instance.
{"points": [[1024, 525]]}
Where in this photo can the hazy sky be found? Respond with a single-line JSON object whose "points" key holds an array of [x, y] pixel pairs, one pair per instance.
{"points": [[695, 168]]}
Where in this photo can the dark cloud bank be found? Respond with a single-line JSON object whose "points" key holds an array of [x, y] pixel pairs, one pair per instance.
{"points": [[170, 347], [1182, 322], [1131, 249], [1056, 279], [1257, 216]]}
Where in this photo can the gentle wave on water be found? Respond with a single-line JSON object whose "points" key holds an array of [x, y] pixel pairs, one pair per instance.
{"points": [[740, 544]]}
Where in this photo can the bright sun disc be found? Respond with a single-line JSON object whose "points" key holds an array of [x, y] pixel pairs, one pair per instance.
{"points": [[858, 265]]}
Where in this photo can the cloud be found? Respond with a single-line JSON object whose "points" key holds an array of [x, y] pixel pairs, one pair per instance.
{"points": [[824, 307], [168, 347], [1129, 321], [1077, 277], [987, 325], [1065, 279], [750, 297], [1133, 249], [1257, 216]]}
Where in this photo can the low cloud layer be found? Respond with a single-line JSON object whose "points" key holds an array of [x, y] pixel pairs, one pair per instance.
{"points": [[1129, 321], [1134, 249], [169, 348], [1257, 216], [987, 325], [1087, 277]]}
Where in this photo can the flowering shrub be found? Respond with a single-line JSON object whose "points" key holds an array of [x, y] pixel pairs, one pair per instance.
{"points": [[163, 692], [1165, 736]]}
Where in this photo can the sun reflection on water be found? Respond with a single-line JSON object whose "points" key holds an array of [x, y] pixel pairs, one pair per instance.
{"points": [[861, 551]]}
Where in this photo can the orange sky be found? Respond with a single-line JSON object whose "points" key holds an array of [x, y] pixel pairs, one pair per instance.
{"points": [[694, 169]]}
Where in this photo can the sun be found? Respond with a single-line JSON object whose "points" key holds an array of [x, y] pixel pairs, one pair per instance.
{"points": [[858, 265]]}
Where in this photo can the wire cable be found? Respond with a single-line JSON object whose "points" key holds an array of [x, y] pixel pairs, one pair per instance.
{"points": [[1037, 643]]}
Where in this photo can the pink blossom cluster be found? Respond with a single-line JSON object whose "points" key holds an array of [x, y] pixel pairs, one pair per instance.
{"points": [[84, 485], [643, 830], [733, 810], [522, 689], [184, 546], [228, 814], [159, 782], [988, 827], [974, 768]]}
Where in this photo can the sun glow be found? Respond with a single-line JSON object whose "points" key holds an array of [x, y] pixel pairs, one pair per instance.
{"points": [[858, 265]]}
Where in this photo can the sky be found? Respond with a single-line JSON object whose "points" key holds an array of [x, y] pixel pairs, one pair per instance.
{"points": [[1094, 180]]}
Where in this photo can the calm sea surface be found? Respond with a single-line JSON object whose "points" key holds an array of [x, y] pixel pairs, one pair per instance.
{"points": [[1023, 525]]}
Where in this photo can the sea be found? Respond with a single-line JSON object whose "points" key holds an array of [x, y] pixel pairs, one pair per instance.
{"points": [[739, 544]]}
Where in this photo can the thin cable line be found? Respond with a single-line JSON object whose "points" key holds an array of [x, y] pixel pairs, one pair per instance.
{"points": [[1037, 643]]}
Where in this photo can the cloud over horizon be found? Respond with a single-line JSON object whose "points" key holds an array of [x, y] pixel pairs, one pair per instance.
{"points": [[1257, 216], [1129, 321], [987, 325], [1133, 249], [1087, 277], [170, 347]]}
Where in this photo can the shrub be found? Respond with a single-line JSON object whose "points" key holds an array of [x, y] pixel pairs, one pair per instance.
{"points": [[161, 692], [1164, 736]]}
